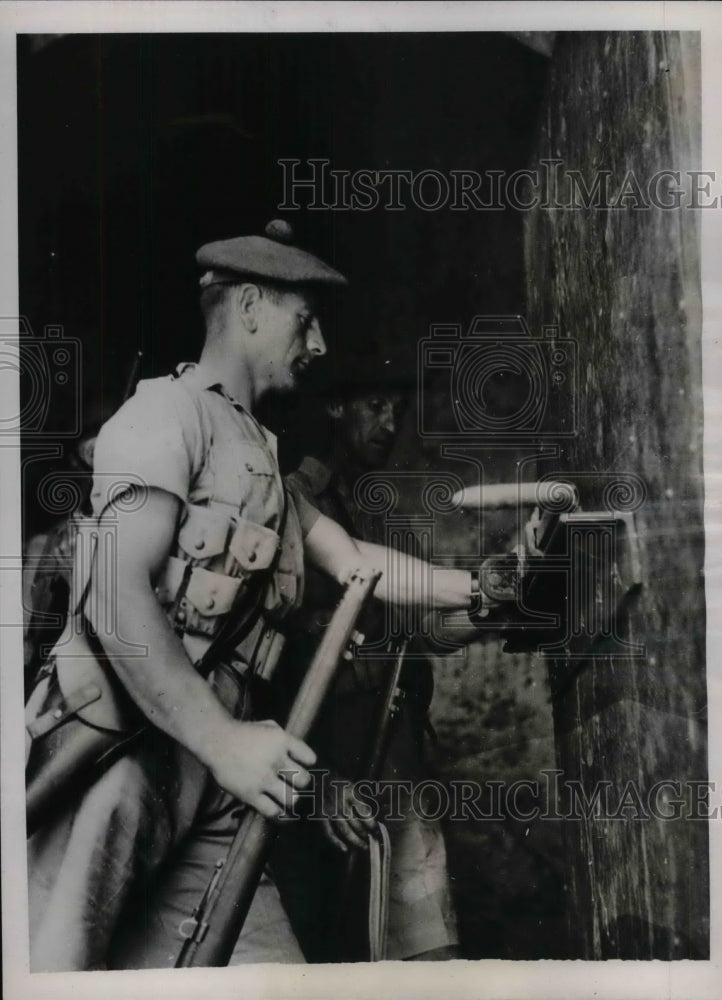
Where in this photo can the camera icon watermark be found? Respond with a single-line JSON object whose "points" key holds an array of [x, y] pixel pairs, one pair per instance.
{"points": [[47, 367], [499, 382]]}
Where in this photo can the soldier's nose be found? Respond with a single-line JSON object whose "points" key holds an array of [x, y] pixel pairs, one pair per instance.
{"points": [[315, 343], [387, 420]]}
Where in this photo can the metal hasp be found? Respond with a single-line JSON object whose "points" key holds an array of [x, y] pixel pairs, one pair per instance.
{"points": [[564, 591], [571, 598]]}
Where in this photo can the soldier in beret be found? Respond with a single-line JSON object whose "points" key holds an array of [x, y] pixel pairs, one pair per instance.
{"points": [[365, 405], [187, 488]]}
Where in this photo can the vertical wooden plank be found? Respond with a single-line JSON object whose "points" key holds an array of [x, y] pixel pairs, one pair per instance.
{"points": [[625, 283]]}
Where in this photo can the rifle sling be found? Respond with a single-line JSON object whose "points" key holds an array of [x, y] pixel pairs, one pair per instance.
{"points": [[379, 877]]}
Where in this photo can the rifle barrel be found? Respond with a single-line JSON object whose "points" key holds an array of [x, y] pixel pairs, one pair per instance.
{"points": [[220, 919]]}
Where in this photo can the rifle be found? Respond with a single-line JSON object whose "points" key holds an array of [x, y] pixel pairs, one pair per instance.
{"points": [[218, 919], [393, 696]]}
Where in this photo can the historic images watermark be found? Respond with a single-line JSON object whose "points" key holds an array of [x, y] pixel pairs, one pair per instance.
{"points": [[552, 796], [315, 185], [484, 389], [45, 366], [462, 365], [48, 369], [466, 364]]}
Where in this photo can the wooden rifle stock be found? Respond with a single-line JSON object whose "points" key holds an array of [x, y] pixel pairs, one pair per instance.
{"points": [[219, 918]]}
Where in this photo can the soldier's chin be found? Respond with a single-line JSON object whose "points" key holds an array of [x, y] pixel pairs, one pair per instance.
{"points": [[299, 374], [291, 383]]}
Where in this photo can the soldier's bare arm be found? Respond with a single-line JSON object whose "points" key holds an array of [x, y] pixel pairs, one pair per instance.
{"points": [[405, 579], [244, 757]]}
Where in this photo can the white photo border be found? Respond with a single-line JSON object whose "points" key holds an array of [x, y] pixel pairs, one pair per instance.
{"points": [[495, 979]]}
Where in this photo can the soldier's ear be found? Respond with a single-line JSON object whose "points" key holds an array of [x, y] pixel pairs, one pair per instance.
{"points": [[335, 410], [86, 451], [248, 299]]}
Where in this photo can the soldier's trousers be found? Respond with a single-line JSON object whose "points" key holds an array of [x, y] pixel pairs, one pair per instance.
{"points": [[111, 880]]}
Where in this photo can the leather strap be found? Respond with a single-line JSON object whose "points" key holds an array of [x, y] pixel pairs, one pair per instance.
{"points": [[379, 871]]}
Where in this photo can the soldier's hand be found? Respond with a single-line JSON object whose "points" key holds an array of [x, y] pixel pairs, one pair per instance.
{"points": [[347, 821], [262, 765]]}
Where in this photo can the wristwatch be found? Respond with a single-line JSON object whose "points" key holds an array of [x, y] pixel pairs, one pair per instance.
{"points": [[476, 601]]}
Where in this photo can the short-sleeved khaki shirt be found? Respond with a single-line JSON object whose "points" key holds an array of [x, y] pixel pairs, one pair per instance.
{"points": [[185, 434]]}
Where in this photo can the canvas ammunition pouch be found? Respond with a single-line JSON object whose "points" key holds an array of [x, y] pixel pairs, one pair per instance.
{"points": [[215, 573], [86, 686], [79, 722], [218, 558], [80, 716], [197, 594]]}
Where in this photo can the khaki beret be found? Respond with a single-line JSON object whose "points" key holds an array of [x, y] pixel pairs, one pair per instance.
{"points": [[270, 256]]}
